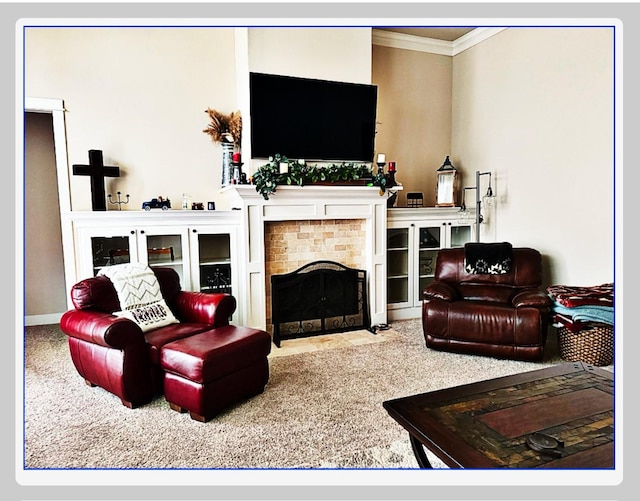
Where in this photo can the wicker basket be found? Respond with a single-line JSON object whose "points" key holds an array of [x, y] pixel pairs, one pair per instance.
{"points": [[592, 345]]}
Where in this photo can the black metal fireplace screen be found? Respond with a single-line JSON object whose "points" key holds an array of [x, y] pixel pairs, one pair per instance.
{"points": [[319, 298]]}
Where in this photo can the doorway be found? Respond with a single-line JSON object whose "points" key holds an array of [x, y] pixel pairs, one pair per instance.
{"points": [[43, 256]]}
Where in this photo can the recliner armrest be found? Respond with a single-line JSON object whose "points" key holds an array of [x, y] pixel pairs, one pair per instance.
{"points": [[101, 328], [531, 298], [440, 290], [200, 307]]}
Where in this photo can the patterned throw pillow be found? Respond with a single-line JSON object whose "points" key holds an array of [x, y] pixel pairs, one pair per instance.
{"points": [[140, 296], [487, 258]]}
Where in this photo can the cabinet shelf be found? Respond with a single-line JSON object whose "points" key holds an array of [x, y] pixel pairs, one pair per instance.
{"points": [[213, 262], [397, 277]]}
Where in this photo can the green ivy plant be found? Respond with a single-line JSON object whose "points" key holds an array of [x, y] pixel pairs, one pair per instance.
{"points": [[267, 177]]}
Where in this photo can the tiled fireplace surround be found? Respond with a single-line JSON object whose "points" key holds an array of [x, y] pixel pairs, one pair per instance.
{"points": [[298, 225]]}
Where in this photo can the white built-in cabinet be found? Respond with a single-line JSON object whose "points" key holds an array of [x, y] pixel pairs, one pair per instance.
{"points": [[414, 237], [202, 246]]}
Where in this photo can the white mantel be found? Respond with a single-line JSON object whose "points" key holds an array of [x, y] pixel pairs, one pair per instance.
{"points": [[302, 203]]}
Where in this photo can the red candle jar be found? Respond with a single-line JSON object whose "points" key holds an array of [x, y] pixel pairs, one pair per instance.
{"points": [[235, 158], [392, 166]]}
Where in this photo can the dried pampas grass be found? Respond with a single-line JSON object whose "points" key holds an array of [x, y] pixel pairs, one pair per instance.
{"points": [[224, 128]]}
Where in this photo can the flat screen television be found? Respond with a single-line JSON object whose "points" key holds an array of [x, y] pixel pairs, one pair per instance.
{"points": [[311, 119]]}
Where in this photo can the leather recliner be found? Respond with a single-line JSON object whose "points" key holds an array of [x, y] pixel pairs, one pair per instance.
{"points": [[499, 315], [114, 353]]}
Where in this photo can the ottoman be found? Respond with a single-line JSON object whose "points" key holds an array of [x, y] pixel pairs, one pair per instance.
{"points": [[210, 371]]}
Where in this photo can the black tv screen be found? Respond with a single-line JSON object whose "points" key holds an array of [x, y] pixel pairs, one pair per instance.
{"points": [[310, 119]]}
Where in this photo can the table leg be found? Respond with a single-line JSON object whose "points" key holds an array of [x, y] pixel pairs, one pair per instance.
{"points": [[418, 451]]}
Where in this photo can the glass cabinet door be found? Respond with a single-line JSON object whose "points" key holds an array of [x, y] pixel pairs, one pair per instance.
{"points": [[460, 235], [215, 263], [110, 250], [397, 265], [211, 261], [429, 242], [166, 247]]}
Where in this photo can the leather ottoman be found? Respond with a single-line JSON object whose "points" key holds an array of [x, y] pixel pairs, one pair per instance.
{"points": [[207, 372]]}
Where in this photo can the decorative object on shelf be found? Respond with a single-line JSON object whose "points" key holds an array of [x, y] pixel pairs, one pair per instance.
{"points": [[270, 175], [211, 206], [489, 200], [157, 203], [426, 266], [391, 175], [119, 202], [237, 176], [97, 171], [381, 161], [226, 130], [197, 206], [391, 201], [415, 199], [185, 201], [447, 185], [227, 150]]}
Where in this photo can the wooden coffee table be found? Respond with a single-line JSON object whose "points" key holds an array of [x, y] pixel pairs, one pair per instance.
{"points": [[558, 417]]}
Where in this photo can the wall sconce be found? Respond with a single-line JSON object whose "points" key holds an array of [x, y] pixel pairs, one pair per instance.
{"points": [[488, 200], [447, 184]]}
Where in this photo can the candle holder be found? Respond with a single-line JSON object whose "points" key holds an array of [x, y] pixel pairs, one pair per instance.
{"points": [[381, 167], [236, 172], [118, 202]]}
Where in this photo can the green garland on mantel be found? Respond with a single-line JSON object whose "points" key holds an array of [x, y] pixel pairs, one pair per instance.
{"points": [[268, 177]]}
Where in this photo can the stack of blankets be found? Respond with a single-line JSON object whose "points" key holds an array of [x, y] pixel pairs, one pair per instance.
{"points": [[573, 307]]}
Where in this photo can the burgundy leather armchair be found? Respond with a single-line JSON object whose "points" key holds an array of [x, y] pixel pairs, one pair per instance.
{"points": [[113, 352], [499, 315]]}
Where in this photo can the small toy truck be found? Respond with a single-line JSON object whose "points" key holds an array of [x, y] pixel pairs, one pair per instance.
{"points": [[157, 203]]}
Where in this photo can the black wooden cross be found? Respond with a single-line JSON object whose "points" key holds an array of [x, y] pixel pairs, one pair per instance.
{"points": [[98, 171]]}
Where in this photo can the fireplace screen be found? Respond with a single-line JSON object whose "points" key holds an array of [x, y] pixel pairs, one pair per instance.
{"points": [[319, 298]]}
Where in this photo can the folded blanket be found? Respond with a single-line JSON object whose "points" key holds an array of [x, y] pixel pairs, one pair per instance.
{"points": [[602, 314], [487, 258], [571, 296]]}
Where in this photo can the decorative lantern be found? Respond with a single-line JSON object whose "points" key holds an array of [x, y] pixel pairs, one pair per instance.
{"points": [[447, 185]]}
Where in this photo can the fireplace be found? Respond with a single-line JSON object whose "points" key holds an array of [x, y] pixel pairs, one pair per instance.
{"points": [[313, 205], [319, 298]]}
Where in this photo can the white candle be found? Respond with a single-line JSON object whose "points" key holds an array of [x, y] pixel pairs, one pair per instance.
{"points": [[381, 158], [284, 167]]}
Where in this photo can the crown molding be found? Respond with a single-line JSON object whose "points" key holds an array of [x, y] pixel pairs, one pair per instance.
{"points": [[431, 45]]}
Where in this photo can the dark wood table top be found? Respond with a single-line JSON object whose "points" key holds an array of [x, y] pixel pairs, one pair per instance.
{"points": [[487, 424]]}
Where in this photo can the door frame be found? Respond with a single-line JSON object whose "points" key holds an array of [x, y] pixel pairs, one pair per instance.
{"points": [[55, 107]]}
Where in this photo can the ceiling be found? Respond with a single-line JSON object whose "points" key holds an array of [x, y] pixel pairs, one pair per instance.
{"points": [[447, 34]]}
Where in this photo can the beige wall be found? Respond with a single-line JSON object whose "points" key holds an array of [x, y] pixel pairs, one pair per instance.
{"points": [[535, 107], [139, 95], [414, 115]]}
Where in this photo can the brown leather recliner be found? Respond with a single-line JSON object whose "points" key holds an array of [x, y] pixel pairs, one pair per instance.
{"points": [[499, 315], [113, 352]]}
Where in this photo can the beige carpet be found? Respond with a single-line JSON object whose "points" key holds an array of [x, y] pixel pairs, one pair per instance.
{"points": [[321, 409]]}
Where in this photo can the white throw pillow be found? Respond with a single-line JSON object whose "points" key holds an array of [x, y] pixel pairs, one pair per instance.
{"points": [[150, 316], [139, 295]]}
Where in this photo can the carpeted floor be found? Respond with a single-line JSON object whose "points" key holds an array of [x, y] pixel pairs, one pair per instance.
{"points": [[320, 409]]}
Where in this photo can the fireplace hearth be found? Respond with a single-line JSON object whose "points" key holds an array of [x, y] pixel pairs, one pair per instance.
{"points": [[319, 298]]}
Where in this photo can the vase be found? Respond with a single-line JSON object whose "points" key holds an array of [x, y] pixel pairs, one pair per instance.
{"points": [[227, 153]]}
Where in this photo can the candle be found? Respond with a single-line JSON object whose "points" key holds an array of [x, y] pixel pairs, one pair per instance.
{"points": [[381, 158], [392, 166], [284, 167], [235, 158]]}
